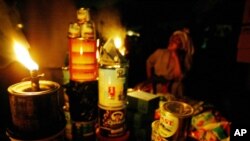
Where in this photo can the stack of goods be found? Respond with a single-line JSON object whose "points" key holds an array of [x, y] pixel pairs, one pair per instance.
{"points": [[112, 93], [173, 123], [82, 89], [210, 125], [82, 48], [141, 109]]}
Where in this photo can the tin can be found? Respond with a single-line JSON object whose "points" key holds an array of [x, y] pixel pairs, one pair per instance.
{"points": [[175, 120], [112, 121], [112, 85], [35, 114], [155, 136]]}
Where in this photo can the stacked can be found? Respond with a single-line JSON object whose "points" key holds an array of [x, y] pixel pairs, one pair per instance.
{"points": [[173, 123], [112, 88], [82, 48], [82, 89]]}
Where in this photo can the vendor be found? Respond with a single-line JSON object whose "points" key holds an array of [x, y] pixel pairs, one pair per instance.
{"points": [[168, 67]]}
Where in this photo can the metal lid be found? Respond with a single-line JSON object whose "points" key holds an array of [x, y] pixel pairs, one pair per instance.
{"points": [[25, 89]]}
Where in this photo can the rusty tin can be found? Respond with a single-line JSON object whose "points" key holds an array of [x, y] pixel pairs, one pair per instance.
{"points": [[35, 114]]}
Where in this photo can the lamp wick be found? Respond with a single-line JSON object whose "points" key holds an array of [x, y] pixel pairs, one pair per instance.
{"points": [[34, 80]]}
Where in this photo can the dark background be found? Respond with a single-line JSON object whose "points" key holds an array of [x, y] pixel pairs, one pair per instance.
{"points": [[215, 77]]}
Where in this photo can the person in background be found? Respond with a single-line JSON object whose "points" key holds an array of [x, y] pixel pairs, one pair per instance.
{"points": [[166, 68]]}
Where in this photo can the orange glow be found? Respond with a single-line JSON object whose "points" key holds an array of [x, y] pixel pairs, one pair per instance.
{"points": [[24, 57], [81, 50], [83, 61]]}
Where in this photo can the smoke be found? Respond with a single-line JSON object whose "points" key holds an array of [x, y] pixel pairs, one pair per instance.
{"points": [[9, 31], [108, 23]]}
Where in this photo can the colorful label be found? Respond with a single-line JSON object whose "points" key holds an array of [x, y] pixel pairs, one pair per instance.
{"points": [[112, 122], [168, 124], [155, 136], [112, 86]]}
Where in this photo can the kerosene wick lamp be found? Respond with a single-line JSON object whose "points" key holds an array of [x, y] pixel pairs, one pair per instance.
{"points": [[34, 103]]}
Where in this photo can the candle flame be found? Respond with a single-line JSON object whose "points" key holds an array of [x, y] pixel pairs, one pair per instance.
{"points": [[24, 57]]}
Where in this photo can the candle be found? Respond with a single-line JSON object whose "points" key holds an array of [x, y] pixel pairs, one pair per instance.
{"points": [[24, 57]]}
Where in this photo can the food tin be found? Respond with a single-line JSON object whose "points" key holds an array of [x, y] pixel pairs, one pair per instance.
{"points": [[112, 121], [155, 134], [112, 85], [174, 120]]}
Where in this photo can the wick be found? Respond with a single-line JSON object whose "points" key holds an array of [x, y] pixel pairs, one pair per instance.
{"points": [[34, 80]]}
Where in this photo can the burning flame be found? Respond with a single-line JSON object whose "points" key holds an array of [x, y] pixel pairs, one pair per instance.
{"points": [[24, 57], [119, 46], [118, 42]]}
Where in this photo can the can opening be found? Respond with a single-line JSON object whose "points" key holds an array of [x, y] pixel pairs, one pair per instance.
{"points": [[179, 109]]}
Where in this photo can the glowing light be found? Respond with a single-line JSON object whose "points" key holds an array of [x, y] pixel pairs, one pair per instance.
{"points": [[20, 26], [97, 55], [24, 57], [119, 45], [118, 42], [81, 50], [132, 33]]}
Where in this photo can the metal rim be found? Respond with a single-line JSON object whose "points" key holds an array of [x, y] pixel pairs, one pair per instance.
{"points": [[47, 87], [179, 109]]}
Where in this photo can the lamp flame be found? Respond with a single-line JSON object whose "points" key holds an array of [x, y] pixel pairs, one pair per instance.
{"points": [[117, 42], [24, 57], [119, 45]]}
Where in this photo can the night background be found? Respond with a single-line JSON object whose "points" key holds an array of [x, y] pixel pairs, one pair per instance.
{"points": [[215, 77]]}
